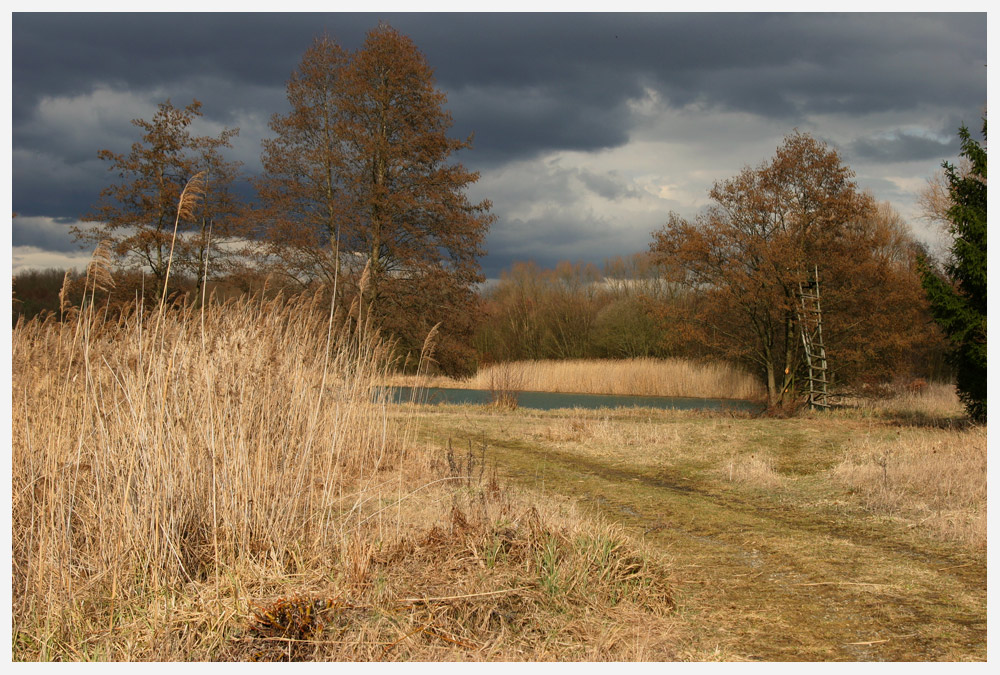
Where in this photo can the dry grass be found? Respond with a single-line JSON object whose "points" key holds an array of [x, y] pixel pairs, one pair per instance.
{"points": [[934, 479], [178, 476], [754, 470], [629, 377], [928, 402], [175, 448], [780, 549]]}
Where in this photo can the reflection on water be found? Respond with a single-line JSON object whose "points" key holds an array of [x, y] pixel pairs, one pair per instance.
{"points": [[541, 400]]}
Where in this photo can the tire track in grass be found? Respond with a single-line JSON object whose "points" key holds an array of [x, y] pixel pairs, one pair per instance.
{"points": [[774, 581]]}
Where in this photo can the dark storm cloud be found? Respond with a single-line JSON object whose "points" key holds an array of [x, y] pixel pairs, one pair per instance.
{"points": [[904, 147], [777, 65], [46, 234], [70, 53], [554, 236], [45, 185], [511, 124], [526, 84]]}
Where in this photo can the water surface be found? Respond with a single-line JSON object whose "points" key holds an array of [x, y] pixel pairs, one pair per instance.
{"points": [[542, 400]]}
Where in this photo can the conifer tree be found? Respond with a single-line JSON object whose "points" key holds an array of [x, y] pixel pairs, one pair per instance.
{"points": [[958, 297]]}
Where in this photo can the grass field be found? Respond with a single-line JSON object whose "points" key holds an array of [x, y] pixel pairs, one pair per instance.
{"points": [[223, 486], [853, 535]]}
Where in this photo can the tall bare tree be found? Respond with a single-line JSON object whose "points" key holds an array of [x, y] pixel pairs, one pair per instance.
{"points": [[137, 213], [360, 176], [301, 205]]}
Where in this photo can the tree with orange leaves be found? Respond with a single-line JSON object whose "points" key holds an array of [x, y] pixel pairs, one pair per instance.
{"points": [[769, 227]]}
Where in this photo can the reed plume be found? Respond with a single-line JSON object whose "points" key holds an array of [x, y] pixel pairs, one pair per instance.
{"points": [[193, 190], [65, 306], [99, 268]]}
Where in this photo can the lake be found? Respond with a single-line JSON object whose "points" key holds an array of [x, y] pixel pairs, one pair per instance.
{"points": [[541, 400]]}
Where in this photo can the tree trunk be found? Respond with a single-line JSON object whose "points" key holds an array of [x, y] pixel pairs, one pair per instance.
{"points": [[786, 385], [772, 384]]}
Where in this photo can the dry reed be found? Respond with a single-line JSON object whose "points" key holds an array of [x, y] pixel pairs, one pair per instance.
{"points": [[174, 472], [929, 401], [626, 377], [149, 454]]}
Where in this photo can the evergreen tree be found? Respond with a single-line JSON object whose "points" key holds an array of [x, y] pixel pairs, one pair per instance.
{"points": [[958, 297]]}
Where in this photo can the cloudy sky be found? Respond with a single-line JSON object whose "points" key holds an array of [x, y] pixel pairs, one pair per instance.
{"points": [[589, 128]]}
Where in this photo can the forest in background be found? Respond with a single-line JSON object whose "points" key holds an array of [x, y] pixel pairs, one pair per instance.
{"points": [[623, 310]]}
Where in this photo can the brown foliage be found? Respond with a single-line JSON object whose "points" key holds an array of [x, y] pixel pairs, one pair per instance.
{"points": [[357, 177], [574, 311], [137, 215], [746, 254], [300, 208]]}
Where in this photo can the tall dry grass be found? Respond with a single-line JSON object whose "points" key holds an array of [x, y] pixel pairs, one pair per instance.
{"points": [[626, 377], [220, 483], [929, 402], [932, 478], [168, 448]]}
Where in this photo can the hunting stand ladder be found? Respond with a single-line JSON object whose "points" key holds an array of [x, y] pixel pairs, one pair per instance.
{"points": [[810, 317]]}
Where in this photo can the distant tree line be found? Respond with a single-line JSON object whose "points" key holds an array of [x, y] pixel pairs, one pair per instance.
{"points": [[574, 311]]}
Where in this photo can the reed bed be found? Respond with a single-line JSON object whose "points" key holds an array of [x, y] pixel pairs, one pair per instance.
{"points": [[167, 448], [928, 401], [625, 377], [225, 484]]}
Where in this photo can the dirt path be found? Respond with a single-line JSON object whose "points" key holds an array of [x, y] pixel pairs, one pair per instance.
{"points": [[765, 578]]}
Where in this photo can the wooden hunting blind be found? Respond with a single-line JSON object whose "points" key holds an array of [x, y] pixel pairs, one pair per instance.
{"points": [[810, 316]]}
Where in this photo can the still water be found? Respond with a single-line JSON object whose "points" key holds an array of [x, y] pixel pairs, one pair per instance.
{"points": [[541, 400]]}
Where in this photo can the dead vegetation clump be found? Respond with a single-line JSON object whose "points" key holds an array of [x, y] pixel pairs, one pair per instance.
{"points": [[753, 470], [494, 578], [504, 383], [916, 403]]}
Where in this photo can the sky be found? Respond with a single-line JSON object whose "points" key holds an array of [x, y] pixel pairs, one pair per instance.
{"points": [[589, 128]]}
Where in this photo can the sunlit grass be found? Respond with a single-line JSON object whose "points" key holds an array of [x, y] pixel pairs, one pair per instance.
{"points": [[177, 473], [626, 377]]}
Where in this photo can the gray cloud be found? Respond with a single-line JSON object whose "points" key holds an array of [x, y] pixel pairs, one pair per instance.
{"points": [[608, 185], [48, 185], [529, 85], [515, 123], [554, 236], [551, 81], [903, 146], [46, 233]]}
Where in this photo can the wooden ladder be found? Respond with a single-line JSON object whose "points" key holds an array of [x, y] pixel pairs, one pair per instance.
{"points": [[810, 316]]}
